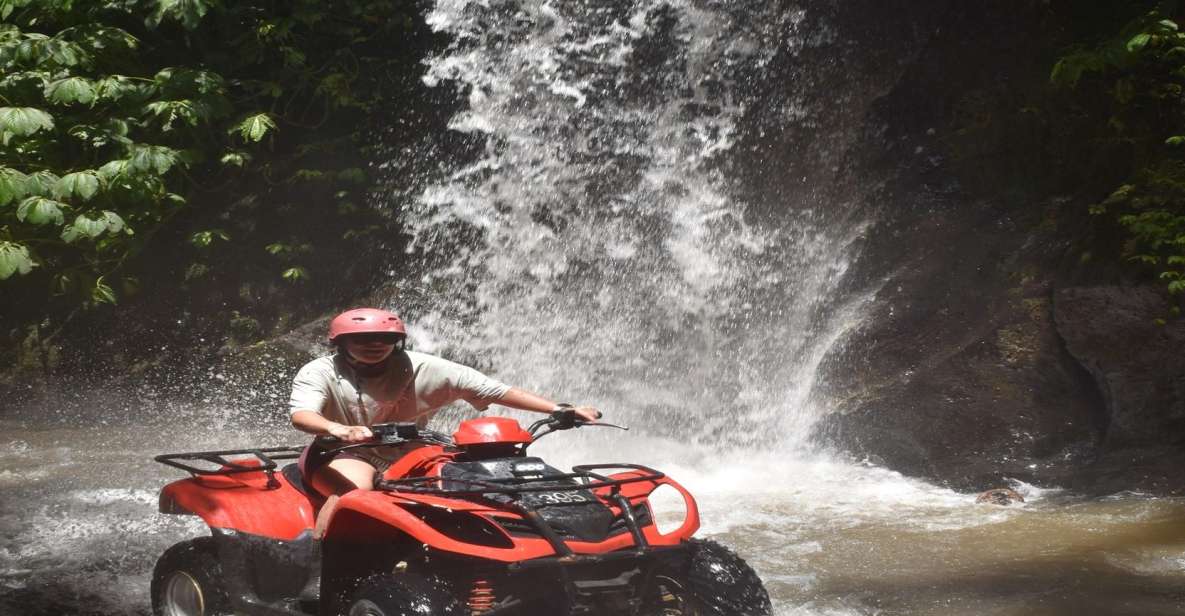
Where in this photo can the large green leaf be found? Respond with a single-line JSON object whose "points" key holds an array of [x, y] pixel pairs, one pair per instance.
{"points": [[85, 226], [156, 159], [102, 294], [80, 184], [188, 12], [179, 82], [1138, 42], [254, 128], [119, 87], [23, 121], [39, 49], [101, 39], [203, 239], [295, 274], [14, 259], [13, 185], [40, 211], [170, 112], [113, 169], [41, 183], [71, 90]]}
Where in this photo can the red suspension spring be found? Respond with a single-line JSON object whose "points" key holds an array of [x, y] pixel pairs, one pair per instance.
{"points": [[481, 597]]}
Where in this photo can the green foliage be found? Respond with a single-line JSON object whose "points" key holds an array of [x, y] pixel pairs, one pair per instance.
{"points": [[71, 90], [23, 121], [1142, 70], [187, 137], [188, 12], [41, 211], [86, 226], [203, 239], [295, 274], [100, 165], [255, 127], [14, 259]]}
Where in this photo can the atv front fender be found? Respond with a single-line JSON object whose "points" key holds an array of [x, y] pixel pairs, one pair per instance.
{"points": [[641, 490]]}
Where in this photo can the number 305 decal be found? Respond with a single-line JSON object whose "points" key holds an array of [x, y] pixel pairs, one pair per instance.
{"points": [[555, 498]]}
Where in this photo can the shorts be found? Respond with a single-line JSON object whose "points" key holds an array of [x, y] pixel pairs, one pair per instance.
{"points": [[318, 454]]}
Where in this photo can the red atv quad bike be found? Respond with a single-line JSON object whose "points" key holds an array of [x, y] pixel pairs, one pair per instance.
{"points": [[462, 525]]}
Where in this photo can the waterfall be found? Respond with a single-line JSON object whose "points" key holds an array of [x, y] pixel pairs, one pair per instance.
{"points": [[596, 249]]}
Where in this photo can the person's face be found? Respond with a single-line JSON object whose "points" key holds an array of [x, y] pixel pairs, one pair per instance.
{"points": [[370, 348]]}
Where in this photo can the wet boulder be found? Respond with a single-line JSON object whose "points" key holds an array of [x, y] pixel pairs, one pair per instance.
{"points": [[1000, 496]]}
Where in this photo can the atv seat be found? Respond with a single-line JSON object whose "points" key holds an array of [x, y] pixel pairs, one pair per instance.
{"points": [[292, 473]]}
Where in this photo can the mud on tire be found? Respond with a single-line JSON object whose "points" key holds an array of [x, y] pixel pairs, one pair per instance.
{"points": [[716, 582], [402, 594], [187, 581]]}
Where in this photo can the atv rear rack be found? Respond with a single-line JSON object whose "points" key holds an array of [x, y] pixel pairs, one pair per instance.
{"points": [[263, 460]]}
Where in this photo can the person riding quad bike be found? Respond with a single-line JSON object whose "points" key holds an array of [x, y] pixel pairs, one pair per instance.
{"points": [[373, 379], [416, 522]]}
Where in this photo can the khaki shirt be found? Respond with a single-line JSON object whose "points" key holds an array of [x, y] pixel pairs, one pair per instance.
{"points": [[412, 388]]}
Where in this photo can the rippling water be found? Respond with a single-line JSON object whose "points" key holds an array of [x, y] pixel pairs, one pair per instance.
{"points": [[80, 530]]}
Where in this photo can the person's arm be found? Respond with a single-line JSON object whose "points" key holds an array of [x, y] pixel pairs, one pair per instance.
{"points": [[479, 390], [527, 401], [316, 423]]}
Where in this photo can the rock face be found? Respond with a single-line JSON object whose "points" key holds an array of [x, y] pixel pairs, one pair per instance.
{"points": [[1138, 366], [980, 357], [960, 375]]}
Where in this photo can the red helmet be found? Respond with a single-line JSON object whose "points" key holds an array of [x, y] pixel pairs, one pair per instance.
{"points": [[365, 321]]}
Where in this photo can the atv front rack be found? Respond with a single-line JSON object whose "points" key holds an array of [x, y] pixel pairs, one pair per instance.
{"points": [[584, 479], [262, 460], [517, 485]]}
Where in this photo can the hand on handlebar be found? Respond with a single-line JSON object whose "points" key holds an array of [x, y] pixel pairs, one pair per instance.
{"points": [[587, 413], [351, 434]]}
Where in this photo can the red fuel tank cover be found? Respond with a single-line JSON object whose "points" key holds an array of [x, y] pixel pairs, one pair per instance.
{"points": [[490, 430]]}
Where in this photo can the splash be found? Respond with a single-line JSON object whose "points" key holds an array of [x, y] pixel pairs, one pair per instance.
{"points": [[595, 249]]}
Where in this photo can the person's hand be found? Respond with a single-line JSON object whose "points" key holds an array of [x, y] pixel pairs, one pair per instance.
{"points": [[587, 413], [351, 434]]}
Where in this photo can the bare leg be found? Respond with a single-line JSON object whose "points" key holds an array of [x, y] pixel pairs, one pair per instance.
{"points": [[344, 475]]}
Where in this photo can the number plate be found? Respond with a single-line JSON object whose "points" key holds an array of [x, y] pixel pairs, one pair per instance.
{"points": [[561, 498]]}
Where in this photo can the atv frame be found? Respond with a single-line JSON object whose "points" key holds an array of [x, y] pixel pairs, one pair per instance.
{"points": [[534, 541]]}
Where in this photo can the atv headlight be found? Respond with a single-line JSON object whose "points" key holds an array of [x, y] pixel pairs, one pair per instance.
{"points": [[528, 469], [668, 507]]}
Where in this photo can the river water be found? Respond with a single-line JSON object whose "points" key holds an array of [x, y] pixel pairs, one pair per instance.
{"points": [[79, 531], [595, 249]]}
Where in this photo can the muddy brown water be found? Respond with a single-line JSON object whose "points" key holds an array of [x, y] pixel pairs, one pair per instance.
{"points": [[80, 530]]}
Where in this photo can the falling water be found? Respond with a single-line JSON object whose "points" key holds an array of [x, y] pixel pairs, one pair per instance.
{"points": [[604, 257]]}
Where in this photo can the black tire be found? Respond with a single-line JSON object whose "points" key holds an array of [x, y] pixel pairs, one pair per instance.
{"points": [[716, 582], [187, 581], [402, 594]]}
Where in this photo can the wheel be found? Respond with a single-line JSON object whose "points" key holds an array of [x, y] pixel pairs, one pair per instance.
{"points": [[187, 581], [402, 594], [716, 582]]}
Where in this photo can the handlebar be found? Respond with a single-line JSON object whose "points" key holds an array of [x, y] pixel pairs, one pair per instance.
{"points": [[389, 434], [566, 419]]}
